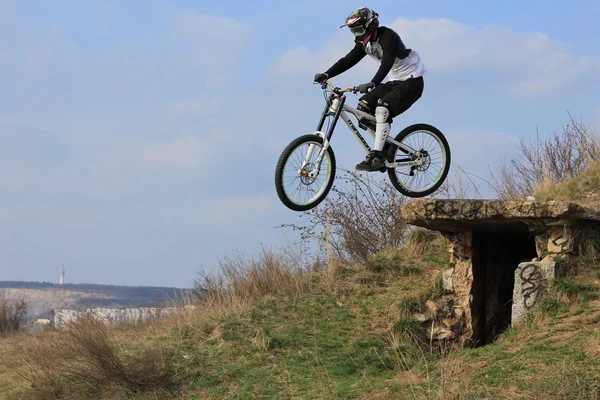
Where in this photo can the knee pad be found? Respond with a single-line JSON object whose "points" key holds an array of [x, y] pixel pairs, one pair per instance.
{"points": [[382, 114], [364, 107]]}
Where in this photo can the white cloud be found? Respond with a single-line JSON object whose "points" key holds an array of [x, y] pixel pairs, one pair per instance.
{"points": [[529, 62], [476, 151], [303, 61], [118, 169], [216, 44], [184, 152], [231, 214], [235, 214], [225, 34], [13, 179], [36, 58]]}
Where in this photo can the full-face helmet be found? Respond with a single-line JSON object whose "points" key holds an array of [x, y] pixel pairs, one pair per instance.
{"points": [[363, 23]]}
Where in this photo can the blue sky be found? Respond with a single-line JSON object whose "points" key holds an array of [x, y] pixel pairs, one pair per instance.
{"points": [[138, 139]]}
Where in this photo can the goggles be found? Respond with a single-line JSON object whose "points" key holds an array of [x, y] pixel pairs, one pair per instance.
{"points": [[358, 31]]}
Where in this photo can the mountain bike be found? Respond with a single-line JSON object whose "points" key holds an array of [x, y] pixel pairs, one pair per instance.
{"points": [[415, 170]]}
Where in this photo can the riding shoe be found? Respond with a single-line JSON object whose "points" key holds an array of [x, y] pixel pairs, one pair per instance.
{"points": [[371, 163]]}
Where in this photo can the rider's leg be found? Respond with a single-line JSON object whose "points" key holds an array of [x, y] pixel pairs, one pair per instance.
{"points": [[394, 102], [403, 96], [368, 103]]}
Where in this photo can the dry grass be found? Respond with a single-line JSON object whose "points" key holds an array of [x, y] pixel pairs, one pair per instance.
{"points": [[420, 242], [12, 367], [584, 188], [240, 281], [238, 336]]}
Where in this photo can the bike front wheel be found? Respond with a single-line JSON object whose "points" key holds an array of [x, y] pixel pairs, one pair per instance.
{"points": [[432, 146], [297, 186]]}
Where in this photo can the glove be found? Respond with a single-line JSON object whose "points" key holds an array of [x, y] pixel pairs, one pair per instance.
{"points": [[320, 77], [364, 88]]}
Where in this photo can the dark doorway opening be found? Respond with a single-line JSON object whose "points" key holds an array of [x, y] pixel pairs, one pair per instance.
{"points": [[496, 256]]}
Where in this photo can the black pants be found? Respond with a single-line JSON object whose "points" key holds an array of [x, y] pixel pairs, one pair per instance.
{"points": [[397, 96]]}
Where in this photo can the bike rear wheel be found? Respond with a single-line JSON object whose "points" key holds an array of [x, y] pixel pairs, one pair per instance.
{"points": [[295, 188], [420, 181]]}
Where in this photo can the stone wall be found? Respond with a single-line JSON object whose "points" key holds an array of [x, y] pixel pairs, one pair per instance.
{"points": [[64, 316], [459, 279]]}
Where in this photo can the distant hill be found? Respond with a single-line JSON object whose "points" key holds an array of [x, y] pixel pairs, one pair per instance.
{"points": [[42, 297]]}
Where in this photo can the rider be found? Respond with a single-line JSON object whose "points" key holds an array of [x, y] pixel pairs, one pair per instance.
{"points": [[386, 100]]}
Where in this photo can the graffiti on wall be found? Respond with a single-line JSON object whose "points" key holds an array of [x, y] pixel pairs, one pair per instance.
{"points": [[481, 209], [532, 285]]}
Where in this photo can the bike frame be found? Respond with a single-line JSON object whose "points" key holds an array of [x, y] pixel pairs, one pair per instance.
{"points": [[336, 106]]}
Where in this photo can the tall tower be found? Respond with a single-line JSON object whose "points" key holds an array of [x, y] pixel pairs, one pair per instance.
{"points": [[62, 274]]}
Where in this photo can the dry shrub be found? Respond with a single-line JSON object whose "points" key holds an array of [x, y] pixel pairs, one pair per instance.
{"points": [[241, 280], [361, 213], [547, 161], [85, 357], [12, 315]]}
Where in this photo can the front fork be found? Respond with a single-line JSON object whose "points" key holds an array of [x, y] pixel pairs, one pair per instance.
{"points": [[334, 105]]}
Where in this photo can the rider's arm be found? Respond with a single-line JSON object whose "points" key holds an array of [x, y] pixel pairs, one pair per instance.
{"points": [[347, 62], [391, 45]]}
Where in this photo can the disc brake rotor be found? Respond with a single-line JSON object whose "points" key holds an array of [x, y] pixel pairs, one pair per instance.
{"points": [[305, 178], [426, 160]]}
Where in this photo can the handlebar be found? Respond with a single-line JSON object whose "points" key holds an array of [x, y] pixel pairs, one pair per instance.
{"points": [[337, 90]]}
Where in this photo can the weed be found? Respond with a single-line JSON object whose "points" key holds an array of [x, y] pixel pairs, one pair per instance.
{"points": [[572, 289], [551, 306]]}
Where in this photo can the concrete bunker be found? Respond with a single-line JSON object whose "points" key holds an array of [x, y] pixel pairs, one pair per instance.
{"points": [[504, 256]]}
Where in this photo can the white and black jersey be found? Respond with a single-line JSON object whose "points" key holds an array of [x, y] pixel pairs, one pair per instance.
{"points": [[396, 60]]}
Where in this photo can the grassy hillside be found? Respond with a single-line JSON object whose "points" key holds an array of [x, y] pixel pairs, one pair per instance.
{"points": [[340, 332]]}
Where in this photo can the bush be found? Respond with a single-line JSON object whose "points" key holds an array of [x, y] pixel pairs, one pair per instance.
{"points": [[85, 358], [12, 315], [362, 215]]}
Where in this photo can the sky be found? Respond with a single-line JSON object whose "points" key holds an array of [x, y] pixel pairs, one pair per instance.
{"points": [[138, 139]]}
